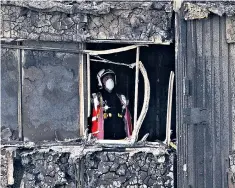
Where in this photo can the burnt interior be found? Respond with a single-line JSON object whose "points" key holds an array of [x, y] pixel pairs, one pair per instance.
{"points": [[158, 60]]}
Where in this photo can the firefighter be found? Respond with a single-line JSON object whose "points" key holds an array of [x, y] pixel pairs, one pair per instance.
{"points": [[110, 118]]}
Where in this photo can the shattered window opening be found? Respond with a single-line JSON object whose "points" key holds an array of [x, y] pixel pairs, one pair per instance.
{"points": [[100, 132], [116, 63]]}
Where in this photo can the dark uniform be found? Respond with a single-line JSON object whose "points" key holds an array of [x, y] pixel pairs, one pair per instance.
{"points": [[114, 126], [110, 117]]}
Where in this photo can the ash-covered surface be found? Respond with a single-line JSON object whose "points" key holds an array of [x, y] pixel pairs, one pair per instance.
{"points": [[121, 169], [9, 94], [199, 10], [84, 21], [53, 168], [23, 23], [48, 169], [50, 95], [137, 24]]}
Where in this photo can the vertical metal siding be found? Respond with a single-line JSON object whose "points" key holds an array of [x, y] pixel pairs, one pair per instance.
{"points": [[208, 93], [180, 38], [232, 94], [209, 66]]}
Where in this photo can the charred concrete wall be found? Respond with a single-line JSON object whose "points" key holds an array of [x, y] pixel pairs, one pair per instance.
{"points": [[114, 169], [84, 21], [51, 79], [202, 9], [101, 169]]}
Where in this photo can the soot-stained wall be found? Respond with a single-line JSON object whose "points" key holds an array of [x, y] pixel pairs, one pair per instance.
{"points": [[50, 95], [9, 93], [94, 169], [47, 92], [84, 21]]}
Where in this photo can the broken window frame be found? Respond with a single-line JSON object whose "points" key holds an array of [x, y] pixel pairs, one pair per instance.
{"points": [[137, 122], [84, 85]]}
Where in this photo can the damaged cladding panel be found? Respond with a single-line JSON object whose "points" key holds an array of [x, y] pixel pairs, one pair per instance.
{"points": [[9, 94], [86, 21], [50, 95]]}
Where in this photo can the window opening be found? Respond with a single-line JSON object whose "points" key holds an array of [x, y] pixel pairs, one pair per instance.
{"points": [[159, 61], [108, 102]]}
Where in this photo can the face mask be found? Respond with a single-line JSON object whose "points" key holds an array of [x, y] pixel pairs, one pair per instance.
{"points": [[109, 84]]}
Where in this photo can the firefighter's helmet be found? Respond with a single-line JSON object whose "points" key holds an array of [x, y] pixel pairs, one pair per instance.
{"points": [[102, 73]]}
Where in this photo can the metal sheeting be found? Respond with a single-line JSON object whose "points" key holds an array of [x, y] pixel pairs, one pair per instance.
{"points": [[207, 61]]}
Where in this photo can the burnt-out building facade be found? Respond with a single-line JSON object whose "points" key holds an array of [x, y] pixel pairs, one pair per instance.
{"points": [[51, 52]]}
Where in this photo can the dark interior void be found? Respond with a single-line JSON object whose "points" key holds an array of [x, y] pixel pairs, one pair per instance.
{"points": [[158, 60]]}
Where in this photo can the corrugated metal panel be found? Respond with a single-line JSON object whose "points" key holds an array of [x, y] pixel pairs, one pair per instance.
{"points": [[204, 147], [180, 72]]}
